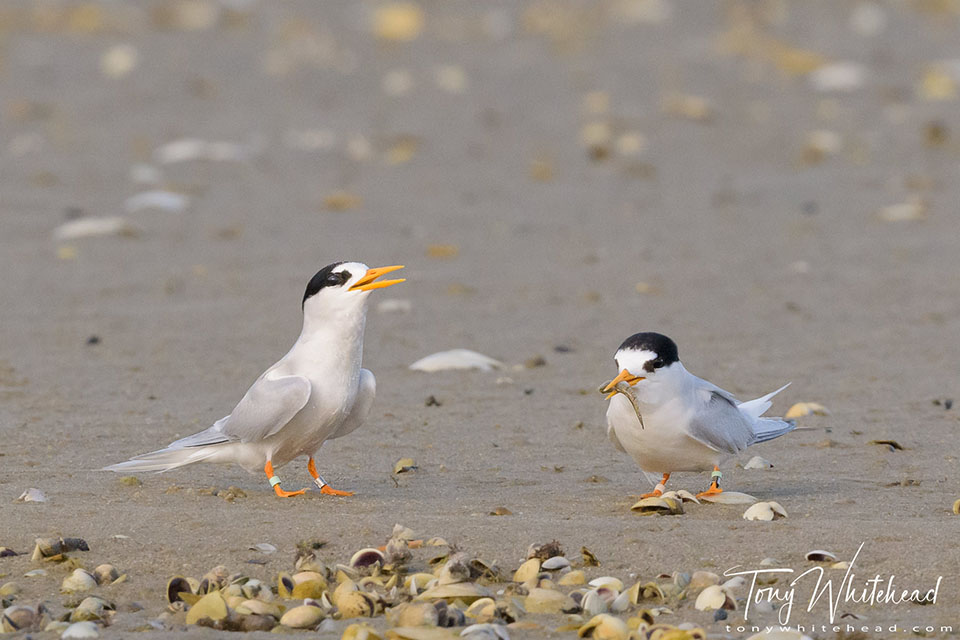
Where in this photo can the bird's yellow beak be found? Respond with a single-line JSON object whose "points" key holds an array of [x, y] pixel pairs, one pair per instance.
{"points": [[366, 283], [625, 376]]}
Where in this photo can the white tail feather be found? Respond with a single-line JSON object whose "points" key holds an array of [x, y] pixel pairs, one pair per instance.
{"points": [[758, 406], [163, 460], [770, 428]]}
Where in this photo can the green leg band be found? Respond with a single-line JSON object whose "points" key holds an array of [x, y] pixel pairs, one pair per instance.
{"points": [[274, 481]]}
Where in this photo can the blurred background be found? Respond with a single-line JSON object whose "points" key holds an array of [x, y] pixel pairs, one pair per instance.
{"points": [[773, 184]]}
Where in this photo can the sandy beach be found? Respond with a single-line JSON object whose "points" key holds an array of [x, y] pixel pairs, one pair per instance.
{"points": [[773, 185]]}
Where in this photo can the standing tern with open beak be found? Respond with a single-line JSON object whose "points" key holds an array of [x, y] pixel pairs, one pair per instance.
{"points": [[316, 392], [669, 420]]}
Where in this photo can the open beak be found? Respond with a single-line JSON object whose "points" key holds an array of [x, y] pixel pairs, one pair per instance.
{"points": [[366, 283], [625, 376]]}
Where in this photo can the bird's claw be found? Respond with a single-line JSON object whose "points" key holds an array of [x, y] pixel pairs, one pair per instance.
{"points": [[330, 491]]}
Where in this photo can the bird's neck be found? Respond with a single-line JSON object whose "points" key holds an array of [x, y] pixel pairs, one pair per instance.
{"points": [[334, 339]]}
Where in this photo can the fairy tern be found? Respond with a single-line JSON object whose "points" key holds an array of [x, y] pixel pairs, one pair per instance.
{"points": [[316, 392], [668, 419]]}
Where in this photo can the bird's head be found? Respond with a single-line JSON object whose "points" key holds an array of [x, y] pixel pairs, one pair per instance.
{"points": [[344, 286], [642, 359]]}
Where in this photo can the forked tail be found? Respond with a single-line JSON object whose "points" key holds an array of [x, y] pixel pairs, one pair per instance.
{"points": [[163, 460], [770, 428]]}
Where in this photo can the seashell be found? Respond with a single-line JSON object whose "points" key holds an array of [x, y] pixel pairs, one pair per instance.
{"points": [[645, 617], [175, 586], [416, 582], [545, 551], [308, 584], [485, 631], [360, 631], [449, 616], [729, 497], [455, 569], [592, 604], [843, 564], [802, 409], [734, 583], [421, 633], [78, 581], [263, 547], [303, 617], [756, 462], [621, 603], [214, 580], [573, 578], [686, 496], [81, 631], [91, 608], [703, 579], [9, 589], [212, 606], [35, 573], [50, 547], [455, 359], [466, 591], [403, 465], [555, 563], [482, 609], [436, 542], [607, 581], [285, 586], [956, 507], [20, 618], [481, 570], [769, 562], [605, 627], [765, 511], [662, 505], [819, 555], [357, 604], [92, 227], [527, 571], [345, 587], [257, 622], [367, 558], [157, 199], [254, 588], [547, 601], [32, 495], [414, 614], [106, 574], [260, 608], [715, 597]]}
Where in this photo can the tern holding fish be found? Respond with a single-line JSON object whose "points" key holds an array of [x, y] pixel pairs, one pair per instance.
{"points": [[669, 420], [316, 392]]}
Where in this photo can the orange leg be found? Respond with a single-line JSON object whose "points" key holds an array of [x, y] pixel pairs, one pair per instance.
{"points": [[715, 485], [658, 491], [320, 482], [275, 482]]}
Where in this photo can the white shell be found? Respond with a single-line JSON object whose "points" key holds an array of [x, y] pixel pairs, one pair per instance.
{"points": [[765, 511], [592, 604], [91, 227], [554, 563], [79, 580], [607, 581], [805, 409], [264, 547], [729, 497], [819, 555], [455, 359], [32, 495], [756, 462], [714, 597], [486, 631], [80, 631], [157, 199]]}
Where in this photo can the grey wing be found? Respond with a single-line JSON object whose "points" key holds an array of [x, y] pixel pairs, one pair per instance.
{"points": [[265, 409], [361, 406], [719, 424]]}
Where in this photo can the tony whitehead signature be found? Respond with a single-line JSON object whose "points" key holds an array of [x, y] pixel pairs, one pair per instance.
{"points": [[875, 591]]}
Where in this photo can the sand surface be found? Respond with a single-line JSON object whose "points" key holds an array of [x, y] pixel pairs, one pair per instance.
{"points": [[765, 256]]}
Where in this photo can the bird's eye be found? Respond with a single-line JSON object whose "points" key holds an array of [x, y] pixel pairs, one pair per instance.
{"points": [[658, 363], [334, 279]]}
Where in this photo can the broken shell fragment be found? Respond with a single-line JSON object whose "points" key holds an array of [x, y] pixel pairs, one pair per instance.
{"points": [[765, 511], [956, 507], [51, 547], [91, 608], [106, 574], [819, 555], [20, 618], [32, 495], [404, 465], [715, 597], [802, 409], [175, 586], [729, 497], [605, 627], [303, 617], [659, 504]]}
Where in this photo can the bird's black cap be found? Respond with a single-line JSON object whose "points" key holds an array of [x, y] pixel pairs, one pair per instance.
{"points": [[664, 347], [325, 278]]}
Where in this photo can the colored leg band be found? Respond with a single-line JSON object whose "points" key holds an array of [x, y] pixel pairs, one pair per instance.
{"points": [[716, 474], [660, 487], [274, 481]]}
